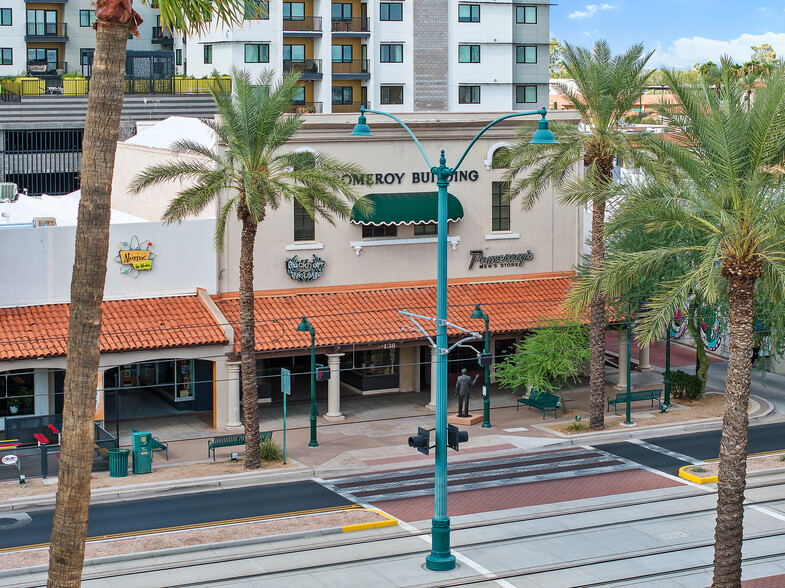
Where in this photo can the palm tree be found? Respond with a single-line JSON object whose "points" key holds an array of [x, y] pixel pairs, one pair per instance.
{"points": [[608, 88], [727, 193], [254, 125], [115, 19]]}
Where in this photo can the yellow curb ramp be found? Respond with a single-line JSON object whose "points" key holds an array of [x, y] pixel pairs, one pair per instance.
{"points": [[684, 473], [389, 522]]}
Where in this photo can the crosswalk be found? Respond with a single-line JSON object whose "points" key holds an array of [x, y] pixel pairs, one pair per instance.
{"points": [[478, 474]]}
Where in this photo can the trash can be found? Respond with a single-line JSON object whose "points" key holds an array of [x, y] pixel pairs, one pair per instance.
{"points": [[118, 462]]}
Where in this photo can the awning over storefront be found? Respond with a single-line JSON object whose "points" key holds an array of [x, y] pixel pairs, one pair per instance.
{"points": [[406, 208], [369, 314]]}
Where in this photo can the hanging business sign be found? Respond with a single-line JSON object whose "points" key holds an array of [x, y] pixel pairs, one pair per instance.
{"points": [[135, 256], [482, 261], [304, 270]]}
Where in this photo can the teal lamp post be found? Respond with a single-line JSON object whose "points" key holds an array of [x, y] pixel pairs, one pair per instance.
{"points": [[477, 314], [305, 326], [440, 558]]}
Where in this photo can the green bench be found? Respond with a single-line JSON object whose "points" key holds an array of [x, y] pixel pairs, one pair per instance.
{"points": [[157, 445], [542, 400], [231, 440], [636, 395]]}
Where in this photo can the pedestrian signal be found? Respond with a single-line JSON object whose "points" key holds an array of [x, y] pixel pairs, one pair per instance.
{"points": [[322, 373], [485, 359], [455, 437], [421, 441]]}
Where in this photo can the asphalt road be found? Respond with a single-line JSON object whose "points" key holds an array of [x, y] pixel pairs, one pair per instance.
{"points": [[129, 516]]}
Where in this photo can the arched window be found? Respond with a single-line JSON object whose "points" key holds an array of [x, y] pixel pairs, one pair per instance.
{"points": [[495, 159], [493, 152]]}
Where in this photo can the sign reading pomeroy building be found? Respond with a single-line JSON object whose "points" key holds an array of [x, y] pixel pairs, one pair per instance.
{"points": [[496, 261], [304, 270]]}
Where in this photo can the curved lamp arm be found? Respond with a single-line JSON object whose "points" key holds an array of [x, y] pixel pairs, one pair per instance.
{"points": [[363, 110]]}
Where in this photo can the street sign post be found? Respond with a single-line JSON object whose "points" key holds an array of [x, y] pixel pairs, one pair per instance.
{"points": [[286, 388]]}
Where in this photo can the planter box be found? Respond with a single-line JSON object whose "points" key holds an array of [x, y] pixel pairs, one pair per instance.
{"points": [[32, 86], [75, 86]]}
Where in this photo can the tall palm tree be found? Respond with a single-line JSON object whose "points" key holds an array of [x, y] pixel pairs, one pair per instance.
{"points": [[114, 20], [608, 86], [728, 194], [254, 125]]}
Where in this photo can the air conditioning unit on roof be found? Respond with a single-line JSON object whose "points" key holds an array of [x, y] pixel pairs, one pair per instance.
{"points": [[7, 191]]}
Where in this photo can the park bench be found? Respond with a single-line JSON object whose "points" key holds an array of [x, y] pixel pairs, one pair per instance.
{"points": [[621, 398], [7, 444], [230, 440], [542, 400], [156, 445], [41, 438], [55, 430]]}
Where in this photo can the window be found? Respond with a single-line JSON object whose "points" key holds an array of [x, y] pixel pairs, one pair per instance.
{"points": [[468, 54], [86, 18], [500, 211], [468, 94], [5, 17], [208, 53], [391, 11], [294, 10], [42, 22], [429, 229], [391, 94], [178, 56], [382, 231], [391, 53], [294, 53], [526, 14], [525, 94], [526, 54], [341, 11], [257, 53], [303, 224], [342, 95], [6, 56], [257, 10], [342, 53], [468, 13], [45, 57], [299, 95]]}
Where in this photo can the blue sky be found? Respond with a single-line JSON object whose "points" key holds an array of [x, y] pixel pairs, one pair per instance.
{"points": [[681, 32]]}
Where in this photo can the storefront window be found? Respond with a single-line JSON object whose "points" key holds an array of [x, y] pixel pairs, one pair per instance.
{"points": [[185, 380], [372, 362], [16, 393]]}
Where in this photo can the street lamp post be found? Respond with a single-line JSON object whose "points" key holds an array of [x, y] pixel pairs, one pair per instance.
{"points": [[440, 558], [478, 313], [306, 326]]}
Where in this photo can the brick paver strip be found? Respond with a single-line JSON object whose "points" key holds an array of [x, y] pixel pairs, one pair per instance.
{"points": [[420, 457], [520, 495], [769, 582]]}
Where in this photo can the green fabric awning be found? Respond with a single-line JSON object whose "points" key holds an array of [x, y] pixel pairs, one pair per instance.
{"points": [[406, 208]]}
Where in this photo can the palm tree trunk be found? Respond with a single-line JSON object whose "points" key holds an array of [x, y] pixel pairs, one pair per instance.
{"points": [[733, 447], [248, 341], [105, 103], [597, 323]]}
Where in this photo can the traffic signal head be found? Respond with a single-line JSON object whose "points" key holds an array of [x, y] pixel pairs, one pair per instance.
{"points": [[485, 359], [322, 373], [421, 441], [455, 437]]}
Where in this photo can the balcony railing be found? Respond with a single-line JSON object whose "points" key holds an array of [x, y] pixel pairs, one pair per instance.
{"points": [[352, 66], [303, 66], [349, 106], [351, 25], [37, 67], [306, 107], [307, 23], [162, 35], [47, 30]]}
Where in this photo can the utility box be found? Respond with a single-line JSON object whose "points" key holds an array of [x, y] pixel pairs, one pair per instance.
{"points": [[142, 448]]}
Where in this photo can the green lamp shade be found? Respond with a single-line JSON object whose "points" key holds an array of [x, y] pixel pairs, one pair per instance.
{"points": [[477, 313], [543, 135], [304, 325], [361, 129]]}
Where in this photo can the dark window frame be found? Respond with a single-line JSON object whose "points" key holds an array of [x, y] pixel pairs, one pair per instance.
{"points": [[178, 56], [6, 60], [426, 229], [345, 90], [472, 56], [207, 54], [473, 94], [290, 57], [289, 6], [252, 10], [474, 13], [500, 212], [9, 21], [345, 10], [259, 52], [520, 15], [343, 59], [523, 88], [304, 224], [386, 94], [523, 51], [376, 231], [388, 52], [90, 18], [385, 13]]}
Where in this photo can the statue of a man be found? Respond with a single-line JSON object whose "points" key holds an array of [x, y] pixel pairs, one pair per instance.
{"points": [[462, 392]]}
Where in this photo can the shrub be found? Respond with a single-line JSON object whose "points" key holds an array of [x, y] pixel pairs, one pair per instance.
{"points": [[270, 450], [698, 469], [782, 457], [684, 385], [577, 426]]}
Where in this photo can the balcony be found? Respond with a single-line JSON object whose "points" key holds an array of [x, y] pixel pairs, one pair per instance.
{"points": [[353, 69], [307, 26], [350, 107], [46, 31], [351, 27], [162, 35], [309, 69], [306, 107], [38, 67]]}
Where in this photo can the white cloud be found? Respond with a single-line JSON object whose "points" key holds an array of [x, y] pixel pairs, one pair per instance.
{"points": [[591, 10], [685, 52]]}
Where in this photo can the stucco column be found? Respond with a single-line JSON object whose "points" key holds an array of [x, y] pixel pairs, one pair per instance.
{"points": [[622, 385], [233, 396], [434, 358], [643, 359], [334, 388]]}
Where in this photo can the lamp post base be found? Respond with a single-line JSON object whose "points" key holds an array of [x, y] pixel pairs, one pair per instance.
{"points": [[440, 559]]}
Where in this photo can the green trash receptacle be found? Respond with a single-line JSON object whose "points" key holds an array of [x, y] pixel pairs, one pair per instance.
{"points": [[118, 462]]}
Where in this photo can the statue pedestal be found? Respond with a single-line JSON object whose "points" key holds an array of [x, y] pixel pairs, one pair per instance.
{"points": [[454, 419]]}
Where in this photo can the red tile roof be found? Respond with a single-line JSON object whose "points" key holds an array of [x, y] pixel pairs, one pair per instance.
{"points": [[368, 314], [127, 325]]}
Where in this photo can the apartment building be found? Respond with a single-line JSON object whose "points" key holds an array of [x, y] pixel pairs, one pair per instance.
{"points": [[399, 55]]}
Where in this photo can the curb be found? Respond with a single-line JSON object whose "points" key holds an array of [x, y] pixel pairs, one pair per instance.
{"points": [[684, 473], [144, 555]]}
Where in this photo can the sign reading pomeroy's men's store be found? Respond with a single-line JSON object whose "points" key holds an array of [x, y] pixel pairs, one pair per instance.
{"points": [[496, 261]]}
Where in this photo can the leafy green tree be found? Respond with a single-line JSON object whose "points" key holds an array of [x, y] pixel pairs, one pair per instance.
{"points": [[608, 86], [254, 125], [727, 193], [555, 65]]}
